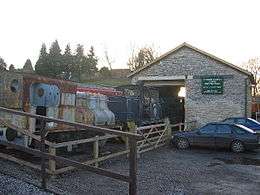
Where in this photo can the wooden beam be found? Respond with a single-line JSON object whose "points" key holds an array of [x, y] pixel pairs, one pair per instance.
{"points": [[151, 139], [93, 161], [75, 124], [52, 163], [152, 145], [151, 148], [68, 161], [154, 132], [133, 167], [150, 126], [96, 150], [81, 141]]}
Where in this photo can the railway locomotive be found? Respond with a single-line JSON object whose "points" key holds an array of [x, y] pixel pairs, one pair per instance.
{"points": [[108, 107]]}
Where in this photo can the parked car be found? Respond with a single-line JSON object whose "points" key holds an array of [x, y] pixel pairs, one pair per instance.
{"points": [[247, 122], [236, 137]]}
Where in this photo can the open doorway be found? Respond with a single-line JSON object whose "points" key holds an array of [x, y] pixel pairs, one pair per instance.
{"points": [[172, 99]]}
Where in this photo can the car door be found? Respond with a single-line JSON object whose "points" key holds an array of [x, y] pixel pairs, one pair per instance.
{"points": [[223, 136], [205, 136]]}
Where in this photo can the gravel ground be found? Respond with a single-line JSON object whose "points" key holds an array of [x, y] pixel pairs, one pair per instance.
{"points": [[11, 185], [162, 171]]}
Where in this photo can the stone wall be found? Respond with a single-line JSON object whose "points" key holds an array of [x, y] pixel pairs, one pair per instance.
{"points": [[205, 108]]}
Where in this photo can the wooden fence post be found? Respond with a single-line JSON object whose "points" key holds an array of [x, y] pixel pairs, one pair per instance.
{"points": [[96, 150], [169, 129], [133, 166], [52, 163], [132, 129], [180, 126], [127, 144], [43, 167]]}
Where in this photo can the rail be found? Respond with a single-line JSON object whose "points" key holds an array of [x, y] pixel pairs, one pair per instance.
{"points": [[132, 138], [184, 126], [153, 136]]}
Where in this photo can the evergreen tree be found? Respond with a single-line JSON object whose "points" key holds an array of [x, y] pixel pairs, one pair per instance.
{"points": [[55, 59], [79, 61], [42, 67], [86, 66], [27, 67], [2, 64], [77, 67], [68, 63]]}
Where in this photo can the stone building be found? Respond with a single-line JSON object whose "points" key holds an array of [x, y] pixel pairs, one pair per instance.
{"points": [[215, 89]]}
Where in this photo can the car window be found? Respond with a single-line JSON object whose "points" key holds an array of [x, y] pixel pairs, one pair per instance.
{"points": [[254, 121], [245, 128], [224, 129], [208, 129], [251, 123], [239, 130], [241, 121]]}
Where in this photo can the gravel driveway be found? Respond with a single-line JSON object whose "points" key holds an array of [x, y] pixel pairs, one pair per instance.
{"points": [[162, 171]]}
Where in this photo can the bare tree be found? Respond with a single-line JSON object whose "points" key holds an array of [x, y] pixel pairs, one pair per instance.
{"points": [[108, 60], [143, 56], [253, 66]]}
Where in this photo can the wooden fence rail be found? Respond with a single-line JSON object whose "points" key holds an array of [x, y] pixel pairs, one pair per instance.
{"points": [[138, 140], [153, 136], [184, 126], [131, 137]]}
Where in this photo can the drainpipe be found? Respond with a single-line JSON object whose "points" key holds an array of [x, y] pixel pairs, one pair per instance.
{"points": [[246, 86]]}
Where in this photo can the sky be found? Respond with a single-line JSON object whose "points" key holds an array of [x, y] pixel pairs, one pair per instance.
{"points": [[228, 29]]}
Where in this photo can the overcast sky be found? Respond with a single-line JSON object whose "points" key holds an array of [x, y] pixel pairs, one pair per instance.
{"points": [[226, 28]]}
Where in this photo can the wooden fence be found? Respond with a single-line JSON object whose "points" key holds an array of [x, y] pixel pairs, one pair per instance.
{"points": [[138, 140], [152, 136], [186, 126], [53, 158]]}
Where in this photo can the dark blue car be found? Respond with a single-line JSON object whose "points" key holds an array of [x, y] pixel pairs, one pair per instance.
{"points": [[236, 137], [247, 122]]}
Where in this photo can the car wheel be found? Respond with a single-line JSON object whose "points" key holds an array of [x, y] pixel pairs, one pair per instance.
{"points": [[182, 143], [237, 147]]}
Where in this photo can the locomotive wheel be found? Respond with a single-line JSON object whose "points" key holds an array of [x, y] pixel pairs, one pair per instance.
{"points": [[10, 134]]}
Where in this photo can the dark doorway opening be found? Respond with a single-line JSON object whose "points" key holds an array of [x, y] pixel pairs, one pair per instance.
{"points": [[40, 110], [172, 104]]}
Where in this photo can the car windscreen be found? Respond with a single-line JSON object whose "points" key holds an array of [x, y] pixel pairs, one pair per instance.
{"points": [[245, 128], [254, 121]]}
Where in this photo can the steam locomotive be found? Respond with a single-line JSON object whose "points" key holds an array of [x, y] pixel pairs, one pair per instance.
{"points": [[109, 107]]}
